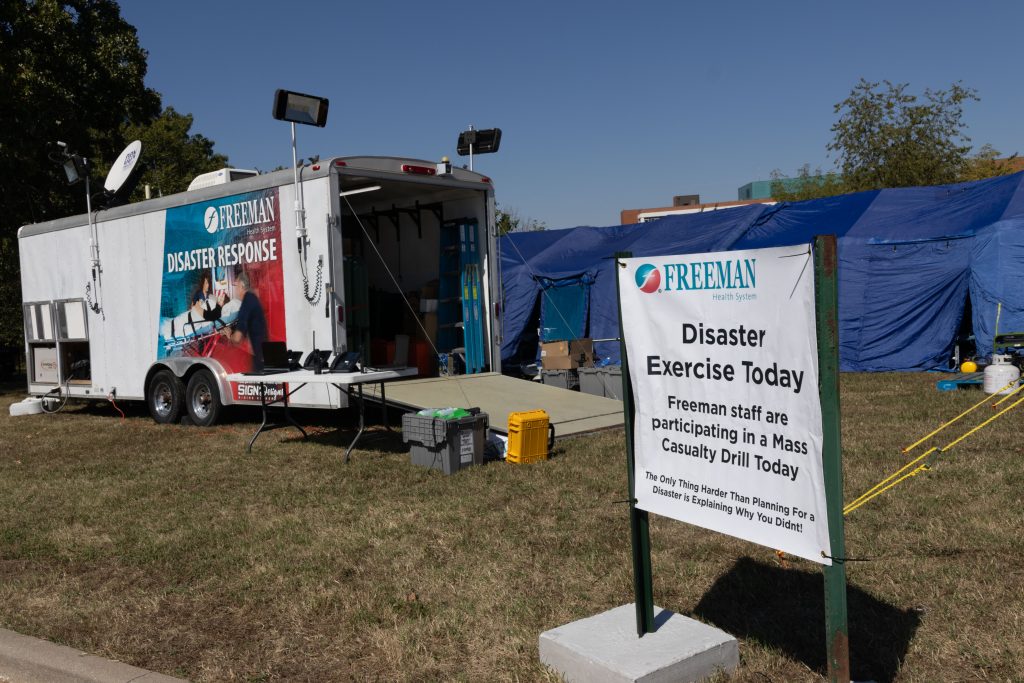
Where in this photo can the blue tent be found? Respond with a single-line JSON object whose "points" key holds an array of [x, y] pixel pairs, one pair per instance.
{"points": [[910, 262]]}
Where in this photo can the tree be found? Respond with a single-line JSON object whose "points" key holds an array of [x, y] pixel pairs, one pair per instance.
{"points": [[987, 163], [886, 137], [511, 221], [73, 70], [70, 71]]}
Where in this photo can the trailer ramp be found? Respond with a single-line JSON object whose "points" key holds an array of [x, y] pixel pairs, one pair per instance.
{"points": [[498, 395]]}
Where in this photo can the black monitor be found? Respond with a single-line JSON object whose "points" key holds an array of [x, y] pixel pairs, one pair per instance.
{"points": [[275, 355]]}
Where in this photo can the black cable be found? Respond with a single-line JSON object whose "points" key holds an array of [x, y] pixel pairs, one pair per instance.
{"points": [[313, 300]]}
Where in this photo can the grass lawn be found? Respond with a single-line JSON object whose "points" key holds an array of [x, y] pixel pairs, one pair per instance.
{"points": [[170, 548]]}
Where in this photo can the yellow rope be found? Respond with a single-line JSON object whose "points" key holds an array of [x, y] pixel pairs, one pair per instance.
{"points": [[871, 492], [1004, 410], [1012, 393], [969, 410], [850, 508], [887, 483]]}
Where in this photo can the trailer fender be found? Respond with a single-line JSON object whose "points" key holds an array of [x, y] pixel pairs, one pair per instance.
{"points": [[184, 368]]}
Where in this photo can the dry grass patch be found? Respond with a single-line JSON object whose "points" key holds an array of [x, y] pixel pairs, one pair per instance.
{"points": [[171, 549]]}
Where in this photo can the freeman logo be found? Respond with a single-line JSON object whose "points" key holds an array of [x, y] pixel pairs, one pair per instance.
{"points": [[711, 275], [239, 214], [211, 220], [648, 279]]}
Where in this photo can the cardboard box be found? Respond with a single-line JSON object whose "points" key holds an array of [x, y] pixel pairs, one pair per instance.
{"points": [[567, 355], [558, 348], [559, 363]]}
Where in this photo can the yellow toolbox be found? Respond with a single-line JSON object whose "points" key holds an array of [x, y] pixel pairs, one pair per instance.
{"points": [[530, 436]]}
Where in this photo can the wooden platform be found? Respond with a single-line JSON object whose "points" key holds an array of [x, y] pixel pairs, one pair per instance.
{"points": [[971, 380], [497, 395]]}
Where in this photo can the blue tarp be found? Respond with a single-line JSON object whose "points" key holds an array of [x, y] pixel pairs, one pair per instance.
{"points": [[910, 260]]}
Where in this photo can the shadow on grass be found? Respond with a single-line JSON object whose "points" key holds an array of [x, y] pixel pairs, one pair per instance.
{"points": [[335, 427], [785, 609], [374, 438]]}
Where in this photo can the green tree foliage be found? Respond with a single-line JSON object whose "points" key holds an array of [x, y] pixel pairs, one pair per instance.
{"points": [[988, 163], [171, 155], [70, 71], [511, 221], [805, 185], [887, 137], [73, 71]]}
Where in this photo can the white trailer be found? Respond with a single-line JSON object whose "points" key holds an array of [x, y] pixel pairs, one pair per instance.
{"points": [[171, 309]]}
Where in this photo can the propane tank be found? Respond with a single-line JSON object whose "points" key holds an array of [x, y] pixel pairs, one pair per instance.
{"points": [[1000, 373]]}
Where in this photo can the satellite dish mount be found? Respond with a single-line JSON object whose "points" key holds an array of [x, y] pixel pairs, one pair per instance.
{"points": [[123, 176]]}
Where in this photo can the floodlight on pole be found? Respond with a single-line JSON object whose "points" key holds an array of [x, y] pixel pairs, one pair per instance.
{"points": [[309, 110], [474, 141]]}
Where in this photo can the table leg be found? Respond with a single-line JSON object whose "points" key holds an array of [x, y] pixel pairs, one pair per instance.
{"points": [[290, 419], [264, 427], [263, 409], [362, 423]]}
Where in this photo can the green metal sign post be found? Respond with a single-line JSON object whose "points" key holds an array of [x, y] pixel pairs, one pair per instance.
{"points": [[826, 304], [639, 528]]}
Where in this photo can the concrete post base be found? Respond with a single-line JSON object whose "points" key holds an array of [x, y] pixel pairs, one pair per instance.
{"points": [[604, 648]]}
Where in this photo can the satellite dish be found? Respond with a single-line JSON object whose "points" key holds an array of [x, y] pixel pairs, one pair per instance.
{"points": [[124, 174]]}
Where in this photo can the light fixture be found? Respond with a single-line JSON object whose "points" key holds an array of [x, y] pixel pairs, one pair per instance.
{"points": [[478, 141], [296, 107], [474, 141], [359, 190], [300, 108]]}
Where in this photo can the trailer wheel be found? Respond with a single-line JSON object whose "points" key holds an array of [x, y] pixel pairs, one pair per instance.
{"points": [[164, 397], [202, 399]]}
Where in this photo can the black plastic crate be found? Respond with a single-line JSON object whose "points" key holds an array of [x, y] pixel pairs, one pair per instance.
{"points": [[446, 445], [563, 379], [603, 381]]}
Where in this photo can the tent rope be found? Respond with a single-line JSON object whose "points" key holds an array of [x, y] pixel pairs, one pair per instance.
{"points": [[895, 478]]}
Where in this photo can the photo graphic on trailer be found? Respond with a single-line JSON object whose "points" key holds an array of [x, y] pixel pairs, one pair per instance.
{"points": [[222, 291]]}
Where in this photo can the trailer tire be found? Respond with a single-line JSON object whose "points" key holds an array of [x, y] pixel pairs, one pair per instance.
{"points": [[202, 399], [164, 397]]}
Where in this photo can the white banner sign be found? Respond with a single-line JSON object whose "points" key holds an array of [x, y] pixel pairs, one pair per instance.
{"points": [[723, 363]]}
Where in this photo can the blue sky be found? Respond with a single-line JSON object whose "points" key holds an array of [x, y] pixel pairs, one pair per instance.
{"points": [[603, 105]]}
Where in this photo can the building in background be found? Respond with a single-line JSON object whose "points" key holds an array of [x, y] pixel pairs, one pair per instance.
{"points": [[762, 189], [687, 203]]}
